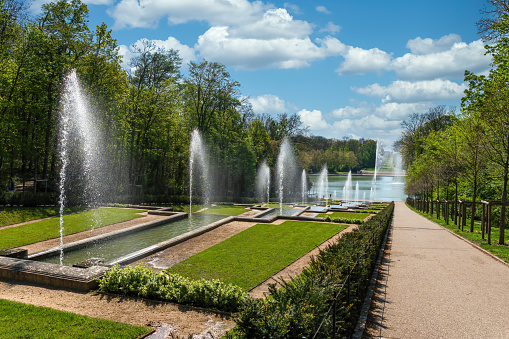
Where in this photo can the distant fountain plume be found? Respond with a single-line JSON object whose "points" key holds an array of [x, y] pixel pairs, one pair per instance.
{"points": [[263, 182], [304, 186], [198, 168], [378, 158], [80, 151], [323, 183], [286, 171], [347, 189], [357, 191], [398, 168]]}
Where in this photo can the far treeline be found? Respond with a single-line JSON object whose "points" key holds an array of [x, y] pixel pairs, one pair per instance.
{"points": [[145, 116], [465, 155]]}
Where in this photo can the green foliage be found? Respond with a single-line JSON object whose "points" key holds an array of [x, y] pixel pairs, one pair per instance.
{"points": [[255, 254], [73, 223], [28, 321], [144, 282], [298, 308]]}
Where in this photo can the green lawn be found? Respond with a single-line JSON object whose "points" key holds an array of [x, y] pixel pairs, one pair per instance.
{"points": [[15, 215], [501, 251], [226, 210], [18, 320], [73, 223], [277, 206], [345, 215], [252, 256], [185, 208]]}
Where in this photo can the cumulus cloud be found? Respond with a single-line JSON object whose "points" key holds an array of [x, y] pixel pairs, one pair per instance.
{"points": [[400, 111], [362, 61], [268, 103], [432, 59], [313, 119], [420, 91], [322, 9], [331, 28], [217, 45], [350, 112], [421, 46], [186, 53]]}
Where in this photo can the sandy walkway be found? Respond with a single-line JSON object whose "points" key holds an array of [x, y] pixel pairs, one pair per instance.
{"points": [[435, 285]]}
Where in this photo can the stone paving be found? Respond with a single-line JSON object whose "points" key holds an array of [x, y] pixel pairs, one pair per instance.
{"points": [[435, 285]]}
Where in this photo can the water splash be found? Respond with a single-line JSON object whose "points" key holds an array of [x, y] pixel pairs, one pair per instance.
{"points": [[263, 182], [286, 171], [80, 151], [198, 168], [323, 183], [356, 191], [304, 186], [347, 189]]}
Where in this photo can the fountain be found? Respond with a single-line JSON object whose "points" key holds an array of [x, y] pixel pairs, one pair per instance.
{"points": [[286, 170], [347, 189], [263, 182], [378, 158], [356, 192], [79, 151], [323, 183], [198, 160], [304, 186], [398, 168]]}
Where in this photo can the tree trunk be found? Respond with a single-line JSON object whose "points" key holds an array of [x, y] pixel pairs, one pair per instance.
{"points": [[502, 208]]}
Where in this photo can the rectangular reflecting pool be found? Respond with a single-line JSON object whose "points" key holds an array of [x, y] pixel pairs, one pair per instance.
{"points": [[115, 248]]}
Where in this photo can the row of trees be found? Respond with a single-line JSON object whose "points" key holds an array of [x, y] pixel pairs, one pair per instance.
{"points": [[144, 116], [466, 155]]}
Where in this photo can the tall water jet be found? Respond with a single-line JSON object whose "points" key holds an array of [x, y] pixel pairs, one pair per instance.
{"points": [[304, 186], [198, 168], [378, 158], [357, 191], [347, 189], [323, 183], [286, 170], [263, 182], [79, 151], [398, 167]]}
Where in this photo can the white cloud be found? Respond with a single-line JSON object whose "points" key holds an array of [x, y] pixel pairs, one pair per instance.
{"points": [[186, 53], [362, 61], [322, 9], [273, 24], [132, 13], [293, 7], [442, 59], [268, 103], [331, 28], [420, 91], [313, 119], [217, 45], [350, 112], [399, 111], [421, 46]]}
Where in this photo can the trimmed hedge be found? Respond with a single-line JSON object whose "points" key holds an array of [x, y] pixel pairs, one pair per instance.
{"points": [[302, 305], [142, 281]]}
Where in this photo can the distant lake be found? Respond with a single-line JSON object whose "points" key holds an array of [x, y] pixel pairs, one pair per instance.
{"points": [[386, 188]]}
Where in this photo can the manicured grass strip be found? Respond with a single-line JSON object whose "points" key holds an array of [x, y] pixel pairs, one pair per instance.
{"points": [[345, 215], [19, 320], [226, 210], [185, 208], [252, 256], [501, 251], [16, 215], [277, 206], [73, 223]]}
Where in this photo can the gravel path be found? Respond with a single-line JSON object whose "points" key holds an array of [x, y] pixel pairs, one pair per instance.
{"points": [[435, 285]]}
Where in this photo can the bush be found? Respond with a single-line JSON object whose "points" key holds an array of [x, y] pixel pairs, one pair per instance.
{"points": [[343, 220], [144, 282], [298, 308]]}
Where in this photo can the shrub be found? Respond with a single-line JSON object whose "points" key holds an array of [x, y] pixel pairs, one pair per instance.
{"points": [[144, 282], [298, 308]]}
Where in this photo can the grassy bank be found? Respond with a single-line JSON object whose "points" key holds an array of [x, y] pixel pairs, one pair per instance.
{"points": [[73, 223], [250, 257], [226, 210], [26, 321], [16, 215], [501, 251]]}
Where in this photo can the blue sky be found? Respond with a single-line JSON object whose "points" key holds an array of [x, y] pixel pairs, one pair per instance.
{"points": [[348, 68]]}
